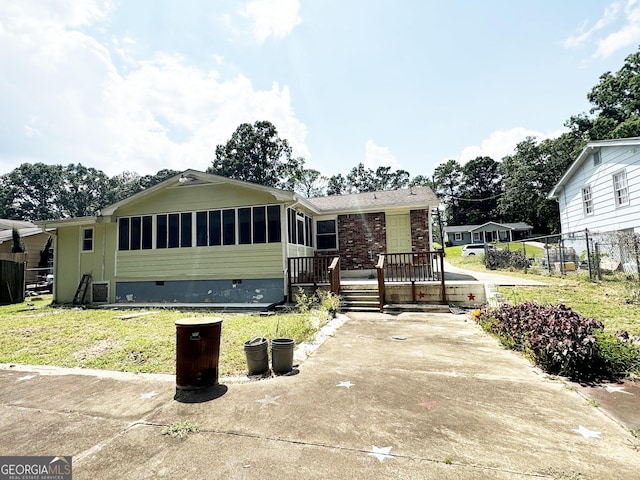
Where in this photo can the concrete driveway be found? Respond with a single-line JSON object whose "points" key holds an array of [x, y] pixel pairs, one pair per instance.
{"points": [[412, 396]]}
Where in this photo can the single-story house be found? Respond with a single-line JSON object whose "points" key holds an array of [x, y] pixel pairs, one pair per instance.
{"points": [[203, 238], [487, 232], [34, 240], [600, 191]]}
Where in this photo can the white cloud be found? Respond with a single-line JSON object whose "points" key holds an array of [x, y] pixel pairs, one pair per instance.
{"points": [[272, 18], [501, 143], [610, 15], [610, 33], [64, 101], [628, 35], [376, 156]]}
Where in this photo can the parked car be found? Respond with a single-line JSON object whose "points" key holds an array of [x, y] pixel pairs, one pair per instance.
{"points": [[477, 249]]}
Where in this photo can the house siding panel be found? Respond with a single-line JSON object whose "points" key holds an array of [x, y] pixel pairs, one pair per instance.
{"points": [[606, 216], [221, 262], [194, 198]]}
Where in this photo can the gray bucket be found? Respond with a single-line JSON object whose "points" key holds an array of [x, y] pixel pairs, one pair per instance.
{"points": [[282, 354], [257, 355]]}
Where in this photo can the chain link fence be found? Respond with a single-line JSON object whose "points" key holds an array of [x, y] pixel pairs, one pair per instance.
{"points": [[599, 253]]}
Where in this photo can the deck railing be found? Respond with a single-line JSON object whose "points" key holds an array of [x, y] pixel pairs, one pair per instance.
{"points": [[410, 268], [316, 271]]}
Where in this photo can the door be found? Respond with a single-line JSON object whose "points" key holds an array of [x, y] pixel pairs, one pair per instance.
{"points": [[398, 233]]}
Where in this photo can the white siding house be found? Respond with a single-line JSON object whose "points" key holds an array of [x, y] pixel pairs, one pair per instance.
{"points": [[601, 189]]}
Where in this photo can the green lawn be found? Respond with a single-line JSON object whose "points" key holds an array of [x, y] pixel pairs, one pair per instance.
{"points": [[36, 334], [615, 300]]}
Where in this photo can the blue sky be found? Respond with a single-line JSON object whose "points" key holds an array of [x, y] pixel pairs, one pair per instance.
{"points": [[142, 85]]}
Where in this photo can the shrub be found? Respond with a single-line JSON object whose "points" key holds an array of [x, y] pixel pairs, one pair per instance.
{"points": [[557, 339], [617, 355], [321, 300], [494, 259]]}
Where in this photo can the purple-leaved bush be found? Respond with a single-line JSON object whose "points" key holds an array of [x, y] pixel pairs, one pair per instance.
{"points": [[557, 338]]}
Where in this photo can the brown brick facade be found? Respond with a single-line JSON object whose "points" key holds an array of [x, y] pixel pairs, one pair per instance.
{"points": [[420, 230], [361, 237]]}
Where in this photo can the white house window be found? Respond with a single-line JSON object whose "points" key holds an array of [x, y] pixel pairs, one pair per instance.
{"points": [[596, 158], [87, 239], [327, 235], [476, 236], [620, 189], [457, 236], [587, 200], [300, 228]]}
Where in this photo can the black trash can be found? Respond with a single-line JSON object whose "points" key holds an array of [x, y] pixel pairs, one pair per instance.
{"points": [[282, 354], [257, 355], [197, 352]]}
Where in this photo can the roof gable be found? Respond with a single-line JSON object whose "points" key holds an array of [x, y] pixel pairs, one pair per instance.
{"points": [[584, 155], [190, 178]]}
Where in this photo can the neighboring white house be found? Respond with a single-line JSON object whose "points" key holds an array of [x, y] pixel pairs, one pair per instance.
{"points": [[601, 189]]}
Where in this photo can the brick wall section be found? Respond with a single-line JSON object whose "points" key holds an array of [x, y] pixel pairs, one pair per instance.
{"points": [[359, 234], [420, 230]]}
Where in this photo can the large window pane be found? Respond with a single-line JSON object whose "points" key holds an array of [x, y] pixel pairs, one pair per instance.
{"points": [[185, 230], [326, 238], [292, 226], [161, 231], [215, 232], [259, 225], [244, 226], [136, 232], [174, 230], [147, 232], [123, 234], [229, 227], [201, 229], [273, 218], [309, 229]]}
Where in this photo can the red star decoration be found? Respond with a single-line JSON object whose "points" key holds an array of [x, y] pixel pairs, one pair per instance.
{"points": [[471, 296], [421, 295]]}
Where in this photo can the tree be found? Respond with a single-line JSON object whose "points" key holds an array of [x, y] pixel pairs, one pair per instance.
{"points": [[480, 187], [337, 185], [616, 104], [84, 191], [362, 179], [530, 174], [254, 153], [447, 179], [32, 192], [310, 183]]}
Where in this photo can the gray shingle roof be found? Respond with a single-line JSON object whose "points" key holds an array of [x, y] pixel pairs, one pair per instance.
{"points": [[414, 198]]}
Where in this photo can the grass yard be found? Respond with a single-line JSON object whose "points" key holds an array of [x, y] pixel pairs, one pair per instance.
{"points": [[34, 333], [615, 300]]}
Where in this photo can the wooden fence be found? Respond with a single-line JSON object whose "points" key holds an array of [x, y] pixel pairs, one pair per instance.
{"points": [[12, 271]]}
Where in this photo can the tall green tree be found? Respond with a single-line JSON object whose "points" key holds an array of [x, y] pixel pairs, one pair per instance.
{"points": [[530, 174], [254, 153], [447, 180], [480, 187], [32, 192], [83, 191], [616, 104], [337, 185]]}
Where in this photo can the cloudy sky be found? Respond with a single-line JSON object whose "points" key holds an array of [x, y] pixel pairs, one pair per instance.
{"points": [[123, 85]]}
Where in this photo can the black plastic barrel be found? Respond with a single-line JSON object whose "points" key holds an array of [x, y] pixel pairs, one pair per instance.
{"points": [[282, 354], [197, 352], [257, 355]]}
